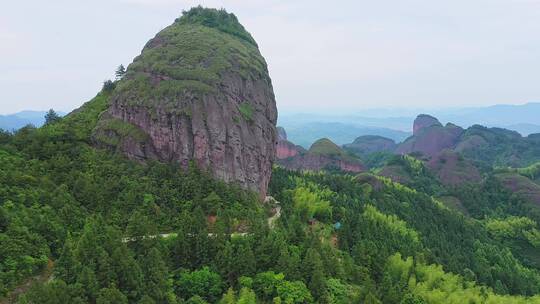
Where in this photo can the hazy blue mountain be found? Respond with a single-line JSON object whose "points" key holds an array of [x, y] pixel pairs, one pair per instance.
{"points": [[525, 128], [20, 119], [522, 118], [340, 133], [396, 124]]}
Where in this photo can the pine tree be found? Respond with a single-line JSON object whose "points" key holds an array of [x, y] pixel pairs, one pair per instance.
{"points": [[289, 263], [247, 296], [120, 72], [226, 263], [371, 299], [67, 266], [87, 278], [229, 297], [111, 295], [245, 260], [200, 248], [51, 117], [155, 276], [314, 273], [128, 271]]}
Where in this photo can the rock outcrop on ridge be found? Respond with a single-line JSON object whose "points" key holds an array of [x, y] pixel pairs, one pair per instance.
{"points": [[323, 155], [285, 148], [199, 91], [367, 144], [430, 137]]}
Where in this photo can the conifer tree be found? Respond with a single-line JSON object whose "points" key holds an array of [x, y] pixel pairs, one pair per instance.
{"points": [[51, 117], [120, 72]]}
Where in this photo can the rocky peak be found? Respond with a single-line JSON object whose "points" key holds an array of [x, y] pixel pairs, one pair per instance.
{"points": [[282, 135], [322, 155], [199, 91], [423, 121], [430, 137]]}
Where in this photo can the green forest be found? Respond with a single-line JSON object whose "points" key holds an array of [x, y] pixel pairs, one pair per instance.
{"points": [[86, 225], [81, 223]]}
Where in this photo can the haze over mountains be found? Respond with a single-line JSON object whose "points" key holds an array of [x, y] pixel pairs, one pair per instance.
{"points": [[20, 119], [304, 128]]}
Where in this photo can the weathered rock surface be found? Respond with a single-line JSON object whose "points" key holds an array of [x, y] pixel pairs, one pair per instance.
{"points": [[286, 149], [282, 135], [430, 137], [313, 162], [424, 121], [199, 91]]}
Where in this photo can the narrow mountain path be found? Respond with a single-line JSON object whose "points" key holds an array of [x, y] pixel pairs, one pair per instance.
{"points": [[271, 223]]}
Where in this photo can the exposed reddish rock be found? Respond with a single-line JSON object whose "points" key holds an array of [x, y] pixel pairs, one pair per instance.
{"points": [[423, 121], [323, 155], [217, 110], [286, 149], [313, 162], [452, 169], [430, 137]]}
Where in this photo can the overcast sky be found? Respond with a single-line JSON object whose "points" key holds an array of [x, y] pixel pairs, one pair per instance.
{"points": [[322, 55]]}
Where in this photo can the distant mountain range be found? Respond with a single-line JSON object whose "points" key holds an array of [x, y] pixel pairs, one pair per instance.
{"points": [[304, 128], [18, 120], [340, 133]]}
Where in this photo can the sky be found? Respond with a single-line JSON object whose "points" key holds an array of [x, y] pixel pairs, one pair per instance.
{"points": [[323, 56]]}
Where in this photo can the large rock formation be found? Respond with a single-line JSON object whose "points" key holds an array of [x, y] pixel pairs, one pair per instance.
{"points": [[199, 91], [285, 148], [424, 121], [491, 146], [430, 137], [323, 155]]}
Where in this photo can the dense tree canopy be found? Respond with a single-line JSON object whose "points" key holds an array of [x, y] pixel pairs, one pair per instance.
{"points": [[117, 231]]}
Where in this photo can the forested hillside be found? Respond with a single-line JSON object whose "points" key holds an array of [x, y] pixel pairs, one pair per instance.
{"points": [[88, 214], [119, 231]]}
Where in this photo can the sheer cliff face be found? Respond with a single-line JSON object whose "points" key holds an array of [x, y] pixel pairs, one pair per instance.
{"points": [[199, 91]]}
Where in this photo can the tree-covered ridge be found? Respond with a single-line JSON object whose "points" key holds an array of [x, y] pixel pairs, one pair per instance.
{"points": [[532, 171], [326, 147], [499, 147], [100, 218], [53, 182]]}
